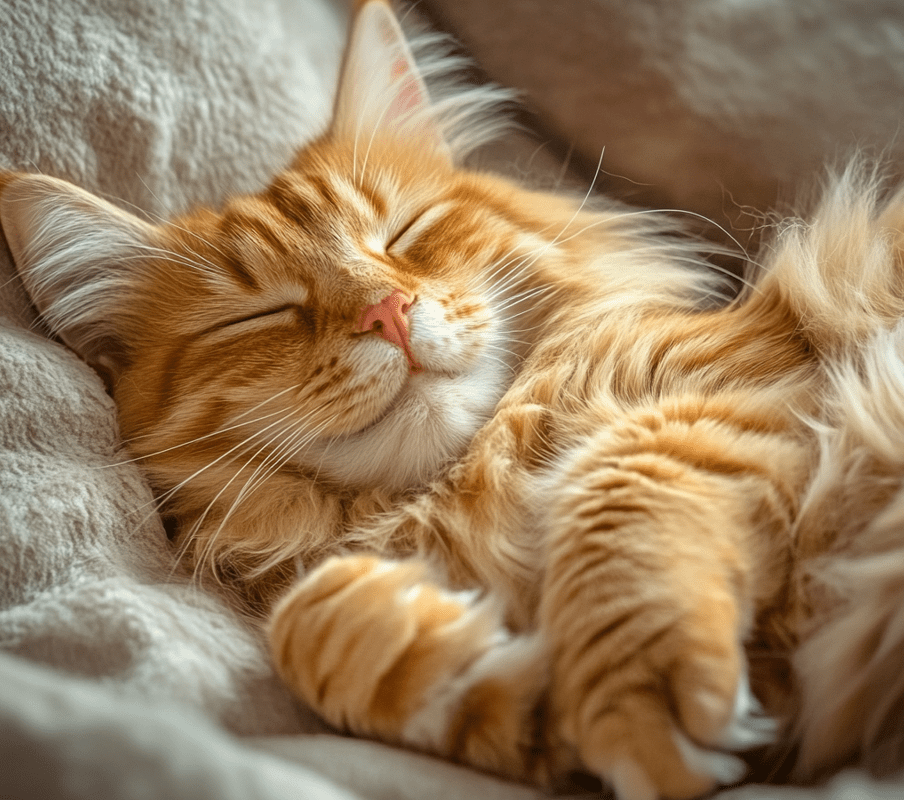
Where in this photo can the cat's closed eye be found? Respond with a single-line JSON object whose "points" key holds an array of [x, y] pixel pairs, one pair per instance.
{"points": [[269, 312], [416, 227], [394, 239]]}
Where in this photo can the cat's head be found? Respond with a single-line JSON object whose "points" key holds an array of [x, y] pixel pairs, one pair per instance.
{"points": [[352, 320]]}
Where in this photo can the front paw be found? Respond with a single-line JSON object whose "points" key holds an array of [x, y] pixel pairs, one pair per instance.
{"points": [[363, 641], [379, 650], [658, 717]]}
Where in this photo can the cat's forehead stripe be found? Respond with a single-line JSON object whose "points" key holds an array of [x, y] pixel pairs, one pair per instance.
{"points": [[248, 223], [314, 201], [286, 195], [327, 192], [369, 193]]}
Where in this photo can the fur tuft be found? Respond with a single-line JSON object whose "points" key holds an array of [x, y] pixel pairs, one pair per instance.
{"points": [[849, 667], [470, 115], [840, 273]]}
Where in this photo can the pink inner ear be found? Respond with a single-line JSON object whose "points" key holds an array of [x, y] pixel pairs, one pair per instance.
{"points": [[409, 97]]}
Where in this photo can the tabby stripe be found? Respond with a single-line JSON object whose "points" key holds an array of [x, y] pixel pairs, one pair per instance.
{"points": [[610, 628], [240, 271], [576, 587], [292, 204], [370, 195], [654, 690], [263, 230], [327, 192], [693, 454], [607, 669]]}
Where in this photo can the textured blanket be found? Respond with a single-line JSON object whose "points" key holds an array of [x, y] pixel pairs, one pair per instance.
{"points": [[119, 679]]}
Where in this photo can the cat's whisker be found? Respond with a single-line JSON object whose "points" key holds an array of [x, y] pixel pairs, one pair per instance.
{"points": [[531, 329], [194, 234], [246, 443], [694, 214], [522, 297], [272, 463], [670, 255], [174, 258], [512, 279], [543, 249], [504, 293], [521, 313], [502, 263], [212, 434], [201, 239], [172, 224], [512, 340], [499, 359], [711, 267], [275, 460], [182, 258], [274, 456], [577, 212], [204, 554], [497, 266], [219, 431], [243, 447], [270, 399]]}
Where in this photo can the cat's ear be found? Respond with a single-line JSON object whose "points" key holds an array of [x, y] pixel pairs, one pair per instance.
{"points": [[381, 90], [78, 257]]}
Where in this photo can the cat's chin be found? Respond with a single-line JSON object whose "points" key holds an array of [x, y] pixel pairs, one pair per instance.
{"points": [[429, 422]]}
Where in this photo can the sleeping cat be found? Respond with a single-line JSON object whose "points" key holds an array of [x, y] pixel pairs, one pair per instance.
{"points": [[531, 491]]}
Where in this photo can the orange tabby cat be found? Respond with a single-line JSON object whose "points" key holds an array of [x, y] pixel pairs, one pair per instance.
{"points": [[547, 483]]}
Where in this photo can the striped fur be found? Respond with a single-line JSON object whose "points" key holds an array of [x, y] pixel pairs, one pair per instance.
{"points": [[610, 503]]}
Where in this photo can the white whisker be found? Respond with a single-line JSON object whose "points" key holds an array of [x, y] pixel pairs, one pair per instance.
{"points": [[272, 463]]}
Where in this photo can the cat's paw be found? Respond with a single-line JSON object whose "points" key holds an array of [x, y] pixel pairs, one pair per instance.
{"points": [[662, 721], [380, 650], [698, 768], [365, 641]]}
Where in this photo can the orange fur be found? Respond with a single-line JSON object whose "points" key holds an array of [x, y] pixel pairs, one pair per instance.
{"points": [[641, 480]]}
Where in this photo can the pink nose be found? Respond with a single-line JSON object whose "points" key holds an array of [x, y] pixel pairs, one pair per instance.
{"points": [[389, 319]]}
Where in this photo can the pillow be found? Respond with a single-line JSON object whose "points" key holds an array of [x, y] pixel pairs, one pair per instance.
{"points": [[723, 108]]}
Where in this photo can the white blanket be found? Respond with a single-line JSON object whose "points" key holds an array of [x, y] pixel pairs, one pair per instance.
{"points": [[120, 680]]}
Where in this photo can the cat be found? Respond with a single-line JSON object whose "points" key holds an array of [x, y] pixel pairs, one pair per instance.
{"points": [[513, 478]]}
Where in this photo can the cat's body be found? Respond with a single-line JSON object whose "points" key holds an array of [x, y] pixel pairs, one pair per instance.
{"points": [[504, 391]]}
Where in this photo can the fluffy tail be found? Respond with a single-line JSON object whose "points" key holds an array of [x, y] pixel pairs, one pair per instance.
{"points": [[841, 273], [841, 278], [850, 665]]}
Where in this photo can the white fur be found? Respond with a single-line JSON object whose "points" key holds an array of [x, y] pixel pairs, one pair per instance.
{"points": [[749, 727], [630, 781], [722, 767], [436, 413], [429, 726]]}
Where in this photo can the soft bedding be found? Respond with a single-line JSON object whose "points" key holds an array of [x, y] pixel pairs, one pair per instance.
{"points": [[120, 679]]}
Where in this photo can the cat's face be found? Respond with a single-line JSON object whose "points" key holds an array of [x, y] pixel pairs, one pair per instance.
{"points": [[353, 320], [277, 318]]}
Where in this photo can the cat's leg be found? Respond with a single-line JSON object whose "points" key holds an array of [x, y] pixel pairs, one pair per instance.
{"points": [[380, 650], [664, 535]]}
